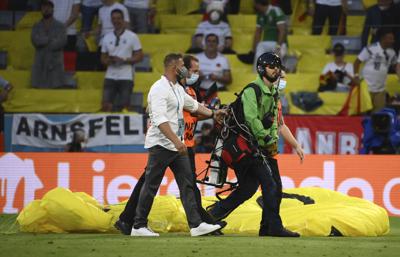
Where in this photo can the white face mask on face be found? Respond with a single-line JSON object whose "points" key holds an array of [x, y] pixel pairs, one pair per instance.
{"points": [[193, 79], [215, 16]]}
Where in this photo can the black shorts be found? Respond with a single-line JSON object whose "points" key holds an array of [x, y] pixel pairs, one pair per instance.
{"points": [[117, 92]]}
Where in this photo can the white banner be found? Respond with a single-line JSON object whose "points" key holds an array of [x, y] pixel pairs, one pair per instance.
{"points": [[100, 129]]}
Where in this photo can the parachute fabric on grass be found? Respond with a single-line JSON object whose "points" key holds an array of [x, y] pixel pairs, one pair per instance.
{"points": [[60, 210]]}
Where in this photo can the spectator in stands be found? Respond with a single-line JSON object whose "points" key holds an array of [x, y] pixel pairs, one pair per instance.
{"points": [[89, 10], [67, 12], [214, 25], [378, 58], [105, 23], [205, 3], [271, 24], [5, 88], [77, 142], [120, 50], [338, 74], [383, 14], [326, 9], [286, 7], [49, 38], [141, 14], [214, 67]]}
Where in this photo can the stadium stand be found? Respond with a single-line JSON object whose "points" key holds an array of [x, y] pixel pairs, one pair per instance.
{"points": [[176, 29]]}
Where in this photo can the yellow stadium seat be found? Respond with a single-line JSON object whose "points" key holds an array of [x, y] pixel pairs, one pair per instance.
{"points": [[54, 100], [165, 6], [21, 51], [29, 19], [308, 44], [18, 78], [242, 43], [183, 7], [242, 24], [143, 82], [179, 24], [89, 80], [393, 84], [152, 43], [355, 25], [246, 7], [240, 80], [368, 3], [6, 40], [316, 63], [237, 66], [302, 82]]}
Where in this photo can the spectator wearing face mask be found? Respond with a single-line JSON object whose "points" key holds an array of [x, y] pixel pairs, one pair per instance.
{"points": [[214, 25]]}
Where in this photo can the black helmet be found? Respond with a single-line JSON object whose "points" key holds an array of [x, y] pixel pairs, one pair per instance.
{"points": [[269, 59]]}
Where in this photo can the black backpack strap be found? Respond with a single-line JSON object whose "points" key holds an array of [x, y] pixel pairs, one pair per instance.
{"points": [[256, 89]]}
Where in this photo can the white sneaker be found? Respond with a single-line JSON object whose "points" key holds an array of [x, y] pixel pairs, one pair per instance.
{"points": [[204, 229], [143, 232]]}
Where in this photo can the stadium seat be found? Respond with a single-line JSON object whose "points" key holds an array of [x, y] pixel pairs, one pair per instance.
{"points": [[29, 19], [315, 63], [355, 24], [21, 51], [237, 66], [242, 24], [53, 101], [309, 45], [20, 79], [179, 24], [165, 42], [246, 7], [183, 7], [393, 84], [368, 3], [242, 43], [89, 80]]}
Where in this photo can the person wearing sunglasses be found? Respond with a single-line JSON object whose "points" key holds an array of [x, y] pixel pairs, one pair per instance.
{"points": [[264, 121], [120, 50]]}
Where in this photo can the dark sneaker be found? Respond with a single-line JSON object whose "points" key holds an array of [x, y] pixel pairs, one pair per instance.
{"points": [[282, 233], [219, 232], [123, 227]]}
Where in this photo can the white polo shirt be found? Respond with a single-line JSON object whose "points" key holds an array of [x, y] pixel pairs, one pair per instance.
{"points": [[166, 102], [376, 65], [215, 66], [222, 30], [139, 4], [128, 43], [105, 17], [62, 12], [347, 67]]}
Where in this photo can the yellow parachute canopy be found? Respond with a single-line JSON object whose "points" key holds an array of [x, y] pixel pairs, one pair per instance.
{"points": [[62, 211]]}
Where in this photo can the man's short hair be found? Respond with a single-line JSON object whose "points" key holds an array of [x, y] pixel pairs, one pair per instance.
{"points": [[117, 11], [384, 31], [170, 58], [187, 60], [46, 3], [212, 35], [262, 2]]}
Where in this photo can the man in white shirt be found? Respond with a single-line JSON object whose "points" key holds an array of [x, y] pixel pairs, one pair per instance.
{"points": [[167, 100], [120, 50], [140, 14], [67, 12], [214, 25], [214, 67], [326, 9], [378, 58], [105, 23]]}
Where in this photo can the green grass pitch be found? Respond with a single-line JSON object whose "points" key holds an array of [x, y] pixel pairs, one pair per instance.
{"points": [[14, 243]]}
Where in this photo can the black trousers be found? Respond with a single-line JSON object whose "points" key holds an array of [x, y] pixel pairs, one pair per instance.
{"points": [[252, 173], [128, 215], [323, 12]]}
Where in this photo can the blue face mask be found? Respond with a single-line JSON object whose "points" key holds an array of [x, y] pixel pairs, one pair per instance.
{"points": [[193, 79], [282, 85]]}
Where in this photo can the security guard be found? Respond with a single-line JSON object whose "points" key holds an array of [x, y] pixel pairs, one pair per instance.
{"points": [[261, 117]]}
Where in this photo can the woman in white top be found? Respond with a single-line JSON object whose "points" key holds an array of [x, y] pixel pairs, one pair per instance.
{"points": [[339, 71]]}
